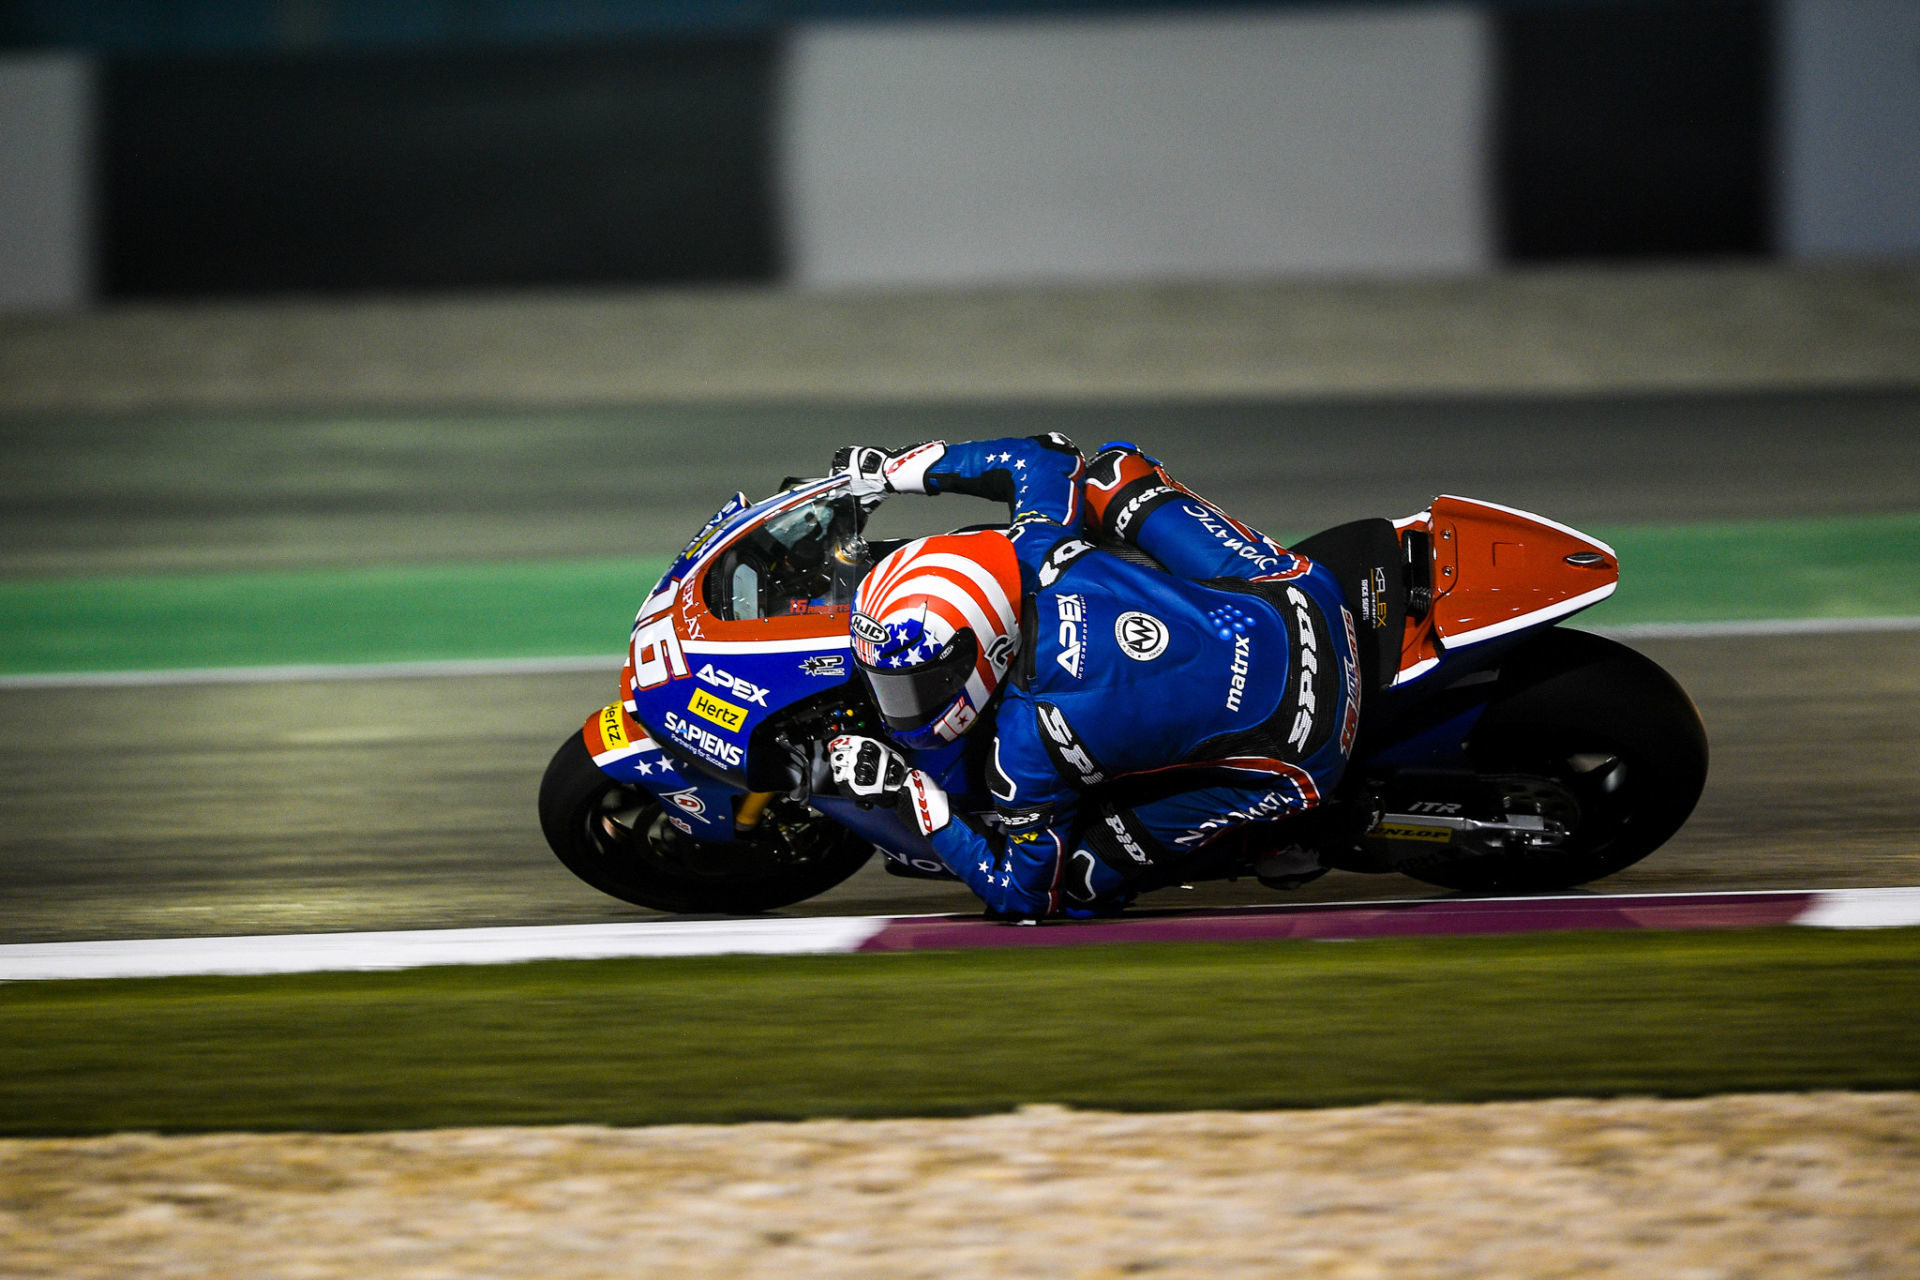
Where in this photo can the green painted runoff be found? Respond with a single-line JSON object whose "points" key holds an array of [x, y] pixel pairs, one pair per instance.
{"points": [[1146, 1027], [1842, 567]]}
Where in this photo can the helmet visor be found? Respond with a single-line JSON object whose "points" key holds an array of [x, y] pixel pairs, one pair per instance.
{"points": [[911, 697]]}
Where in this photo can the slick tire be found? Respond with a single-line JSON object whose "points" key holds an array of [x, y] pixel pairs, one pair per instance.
{"points": [[1596, 721], [617, 839]]}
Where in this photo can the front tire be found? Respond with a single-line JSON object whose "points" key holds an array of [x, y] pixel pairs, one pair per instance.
{"points": [[617, 839], [1594, 723]]}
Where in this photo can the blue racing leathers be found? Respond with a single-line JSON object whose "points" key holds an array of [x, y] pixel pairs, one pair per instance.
{"points": [[1147, 713]]}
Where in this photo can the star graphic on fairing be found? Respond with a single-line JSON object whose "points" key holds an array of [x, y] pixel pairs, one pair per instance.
{"points": [[643, 767]]}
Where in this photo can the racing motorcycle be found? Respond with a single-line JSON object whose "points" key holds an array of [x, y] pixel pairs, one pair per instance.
{"points": [[1496, 751]]}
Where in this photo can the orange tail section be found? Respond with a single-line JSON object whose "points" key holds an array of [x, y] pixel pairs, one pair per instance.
{"points": [[1496, 571]]}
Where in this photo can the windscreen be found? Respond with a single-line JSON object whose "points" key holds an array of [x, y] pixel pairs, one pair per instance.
{"points": [[805, 560]]}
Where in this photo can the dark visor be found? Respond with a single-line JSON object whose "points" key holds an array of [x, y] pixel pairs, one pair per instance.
{"points": [[910, 697]]}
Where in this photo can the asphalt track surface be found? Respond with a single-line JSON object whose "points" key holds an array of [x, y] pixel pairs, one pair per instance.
{"points": [[193, 810], [97, 494]]}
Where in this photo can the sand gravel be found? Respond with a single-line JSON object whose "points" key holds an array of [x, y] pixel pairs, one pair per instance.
{"points": [[1765, 1185]]}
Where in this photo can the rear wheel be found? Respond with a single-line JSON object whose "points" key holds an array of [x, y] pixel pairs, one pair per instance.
{"points": [[617, 839], [1594, 736]]}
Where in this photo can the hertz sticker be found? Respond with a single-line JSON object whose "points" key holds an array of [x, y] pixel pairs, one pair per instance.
{"points": [[612, 731], [1395, 831], [718, 710]]}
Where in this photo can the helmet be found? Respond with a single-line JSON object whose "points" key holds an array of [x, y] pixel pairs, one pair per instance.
{"points": [[935, 626]]}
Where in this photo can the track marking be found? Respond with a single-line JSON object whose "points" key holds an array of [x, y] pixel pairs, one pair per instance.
{"points": [[1863, 909], [344, 952], [411, 949]]}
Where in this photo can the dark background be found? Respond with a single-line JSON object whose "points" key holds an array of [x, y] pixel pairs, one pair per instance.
{"points": [[270, 146]]}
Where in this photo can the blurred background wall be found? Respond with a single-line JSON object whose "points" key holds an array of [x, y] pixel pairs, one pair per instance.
{"points": [[180, 148]]}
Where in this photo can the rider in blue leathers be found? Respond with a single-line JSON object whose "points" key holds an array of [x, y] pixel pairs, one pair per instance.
{"points": [[1144, 714]]}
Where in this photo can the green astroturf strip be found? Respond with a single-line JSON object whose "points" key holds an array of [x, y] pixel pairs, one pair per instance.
{"points": [[562, 608], [1150, 1027], [1842, 567]]}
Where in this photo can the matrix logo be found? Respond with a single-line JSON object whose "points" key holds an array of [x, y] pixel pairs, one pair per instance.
{"points": [[1237, 673]]}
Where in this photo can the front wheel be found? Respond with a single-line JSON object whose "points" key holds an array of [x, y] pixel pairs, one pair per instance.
{"points": [[1603, 740], [617, 839]]}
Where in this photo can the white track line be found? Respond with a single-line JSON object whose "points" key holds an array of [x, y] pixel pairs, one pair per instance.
{"points": [[1863, 909], [330, 952], [340, 952]]}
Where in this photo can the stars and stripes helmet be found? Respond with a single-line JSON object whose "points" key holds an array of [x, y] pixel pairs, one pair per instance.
{"points": [[935, 627]]}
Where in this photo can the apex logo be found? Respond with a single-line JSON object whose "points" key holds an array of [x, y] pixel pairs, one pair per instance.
{"points": [[1073, 615], [745, 690]]}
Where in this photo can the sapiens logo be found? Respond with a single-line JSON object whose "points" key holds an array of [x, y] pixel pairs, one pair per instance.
{"points": [[708, 744]]}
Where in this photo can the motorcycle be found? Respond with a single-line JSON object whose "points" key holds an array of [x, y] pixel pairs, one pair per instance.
{"points": [[1496, 751]]}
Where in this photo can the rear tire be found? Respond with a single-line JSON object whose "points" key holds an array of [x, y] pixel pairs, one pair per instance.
{"points": [[617, 839], [1597, 721]]}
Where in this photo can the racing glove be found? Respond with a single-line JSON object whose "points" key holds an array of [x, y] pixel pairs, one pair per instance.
{"points": [[873, 773], [873, 473], [866, 769]]}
